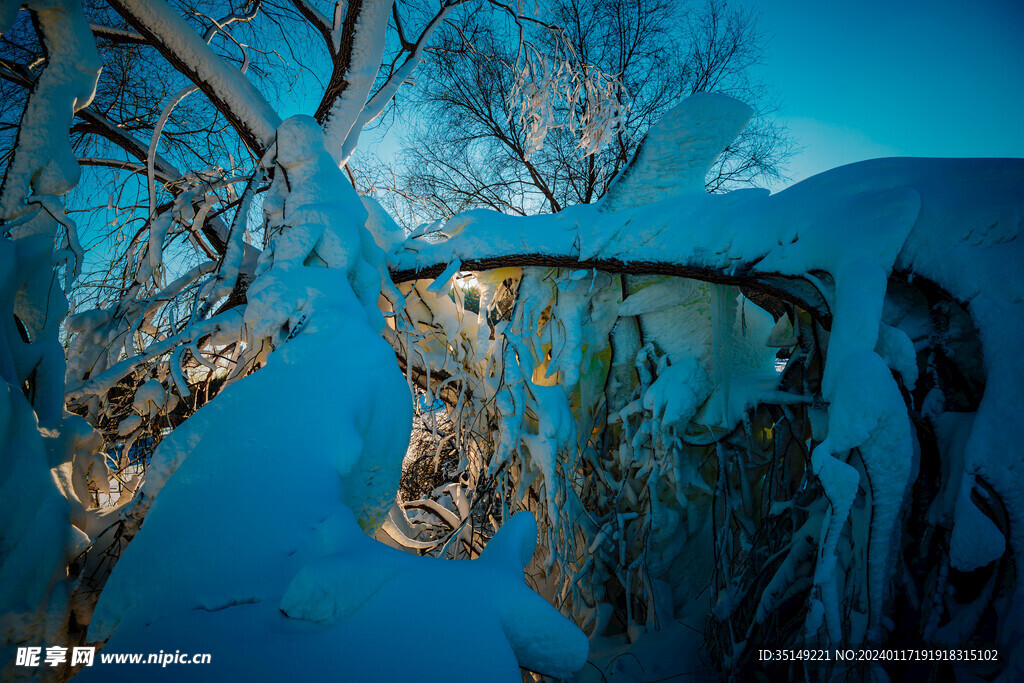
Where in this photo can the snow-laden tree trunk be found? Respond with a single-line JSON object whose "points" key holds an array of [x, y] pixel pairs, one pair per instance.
{"points": [[46, 456], [241, 561], [311, 311]]}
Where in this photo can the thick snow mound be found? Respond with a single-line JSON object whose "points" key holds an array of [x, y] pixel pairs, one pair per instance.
{"points": [[252, 550]]}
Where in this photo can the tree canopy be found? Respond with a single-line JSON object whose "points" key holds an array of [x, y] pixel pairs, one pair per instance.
{"points": [[536, 127]]}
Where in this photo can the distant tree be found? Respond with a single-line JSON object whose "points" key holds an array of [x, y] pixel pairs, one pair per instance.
{"points": [[477, 145]]}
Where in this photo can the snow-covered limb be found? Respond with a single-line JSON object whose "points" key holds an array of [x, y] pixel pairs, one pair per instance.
{"points": [[156, 245], [116, 34], [43, 161], [42, 168], [230, 266], [376, 104], [356, 64], [734, 238], [230, 91], [37, 539], [790, 288], [109, 377]]}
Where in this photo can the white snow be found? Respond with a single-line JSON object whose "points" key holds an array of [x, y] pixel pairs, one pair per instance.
{"points": [[833, 241], [253, 550], [678, 152]]}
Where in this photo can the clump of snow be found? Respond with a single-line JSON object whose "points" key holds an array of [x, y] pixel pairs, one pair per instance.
{"points": [[152, 399], [678, 152]]}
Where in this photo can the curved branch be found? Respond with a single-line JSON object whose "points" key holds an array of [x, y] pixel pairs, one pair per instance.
{"points": [[123, 165], [789, 288]]}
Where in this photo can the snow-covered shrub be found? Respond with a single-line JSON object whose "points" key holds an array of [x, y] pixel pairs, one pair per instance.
{"points": [[867, 494]]}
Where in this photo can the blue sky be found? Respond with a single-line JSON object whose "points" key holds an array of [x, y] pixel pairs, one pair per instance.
{"points": [[860, 79], [866, 78]]}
